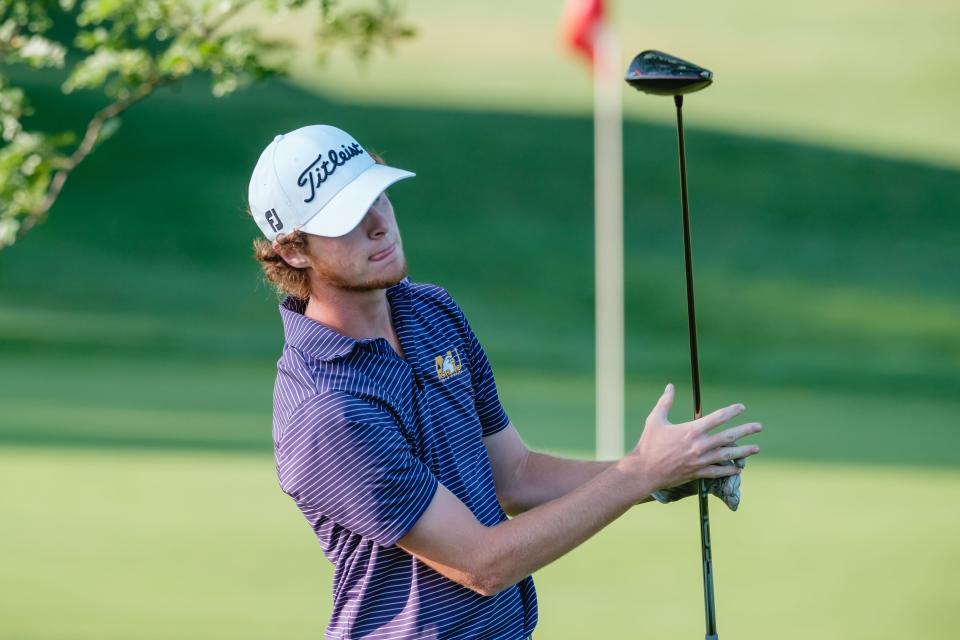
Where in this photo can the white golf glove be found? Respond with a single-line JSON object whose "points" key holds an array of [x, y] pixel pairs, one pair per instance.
{"points": [[726, 488]]}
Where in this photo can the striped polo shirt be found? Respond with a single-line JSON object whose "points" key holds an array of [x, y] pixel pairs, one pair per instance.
{"points": [[361, 439]]}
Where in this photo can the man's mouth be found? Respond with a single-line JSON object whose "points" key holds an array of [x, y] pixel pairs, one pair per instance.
{"points": [[383, 254]]}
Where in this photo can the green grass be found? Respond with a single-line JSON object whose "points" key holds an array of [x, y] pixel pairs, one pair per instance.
{"points": [[825, 281], [138, 348], [132, 403], [868, 75], [201, 545]]}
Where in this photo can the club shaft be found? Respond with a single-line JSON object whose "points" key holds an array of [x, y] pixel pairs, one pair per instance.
{"points": [[708, 599]]}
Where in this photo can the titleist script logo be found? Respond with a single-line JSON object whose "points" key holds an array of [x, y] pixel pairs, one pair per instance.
{"points": [[321, 169], [273, 220]]}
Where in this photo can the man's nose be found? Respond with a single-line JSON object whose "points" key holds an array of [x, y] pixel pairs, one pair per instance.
{"points": [[375, 222]]}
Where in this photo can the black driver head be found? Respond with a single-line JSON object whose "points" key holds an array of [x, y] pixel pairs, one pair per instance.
{"points": [[661, 74]]}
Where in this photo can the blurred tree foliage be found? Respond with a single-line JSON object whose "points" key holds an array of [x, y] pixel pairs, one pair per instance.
{"points": [[128, 49]]}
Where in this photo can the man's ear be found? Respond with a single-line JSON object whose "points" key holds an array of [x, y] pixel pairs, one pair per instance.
{"points": [[291, 256]]}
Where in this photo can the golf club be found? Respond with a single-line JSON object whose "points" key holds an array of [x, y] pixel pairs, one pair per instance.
{"points": [[662, 74]]}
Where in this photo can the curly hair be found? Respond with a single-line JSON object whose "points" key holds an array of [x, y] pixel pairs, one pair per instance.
{"points": [[287, 279]]}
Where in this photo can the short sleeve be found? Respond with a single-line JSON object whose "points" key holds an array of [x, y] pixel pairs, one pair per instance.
{"points": [[487, 401], [343, 458]]}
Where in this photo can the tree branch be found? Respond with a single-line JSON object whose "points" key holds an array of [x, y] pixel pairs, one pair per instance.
{"points": [[101, 117], [88, 144]]}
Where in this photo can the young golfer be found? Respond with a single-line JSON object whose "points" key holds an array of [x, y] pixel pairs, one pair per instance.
{"points": [[389, 434]]}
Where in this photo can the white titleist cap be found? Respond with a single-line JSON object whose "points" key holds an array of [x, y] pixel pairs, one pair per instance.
{"points": [[317, 179]]}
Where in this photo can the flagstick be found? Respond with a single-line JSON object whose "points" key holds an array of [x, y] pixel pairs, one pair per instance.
{"points": [[608, 203]]}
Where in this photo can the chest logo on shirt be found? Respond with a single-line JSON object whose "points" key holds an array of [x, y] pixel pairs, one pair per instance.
{"points": [[448, 365]]}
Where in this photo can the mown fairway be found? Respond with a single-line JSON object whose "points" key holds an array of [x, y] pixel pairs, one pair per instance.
{"points": [[137, 347], [198, 545]]}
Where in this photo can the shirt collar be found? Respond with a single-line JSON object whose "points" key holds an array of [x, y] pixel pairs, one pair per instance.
{"points": [[318, 339]]}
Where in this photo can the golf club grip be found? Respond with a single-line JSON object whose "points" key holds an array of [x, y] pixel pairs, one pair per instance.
{"points": [[705, 549], [709, 605]]}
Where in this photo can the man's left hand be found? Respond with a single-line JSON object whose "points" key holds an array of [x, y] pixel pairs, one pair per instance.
{"points": [[726, 488]]}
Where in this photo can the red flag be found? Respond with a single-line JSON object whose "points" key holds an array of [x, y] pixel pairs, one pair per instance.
{"points": [[581, 20]]}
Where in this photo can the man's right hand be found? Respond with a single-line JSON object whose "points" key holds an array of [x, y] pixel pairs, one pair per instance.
{"points": [[450, 539], [670, 454]]}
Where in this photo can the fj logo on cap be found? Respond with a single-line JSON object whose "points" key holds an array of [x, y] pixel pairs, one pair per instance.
{"points": [[320, 169], [448, 365], [273, 220]]}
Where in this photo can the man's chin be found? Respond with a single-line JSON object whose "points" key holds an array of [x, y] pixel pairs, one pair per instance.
{"points": [[383, 281], [393, 276]]}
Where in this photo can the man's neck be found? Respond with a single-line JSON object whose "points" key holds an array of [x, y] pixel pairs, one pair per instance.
{"points": [[357, 314]]}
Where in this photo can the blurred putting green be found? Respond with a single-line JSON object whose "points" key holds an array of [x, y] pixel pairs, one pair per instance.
{"points": [[137, 346], [879, 77], [201, 545]]}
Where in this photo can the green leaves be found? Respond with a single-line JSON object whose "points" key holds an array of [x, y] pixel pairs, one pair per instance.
{"points": [[129, 48], [28, 162], [361, 29], [125, 69]]}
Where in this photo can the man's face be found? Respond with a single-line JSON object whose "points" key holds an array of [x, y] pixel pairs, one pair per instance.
{"points": [[358, 261]]}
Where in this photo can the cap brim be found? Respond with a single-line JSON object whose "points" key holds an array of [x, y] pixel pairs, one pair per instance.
{"points": [[345, 210]]}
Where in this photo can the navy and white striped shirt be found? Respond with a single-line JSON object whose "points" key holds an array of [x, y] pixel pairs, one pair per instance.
{"points": [[361, 439]]}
